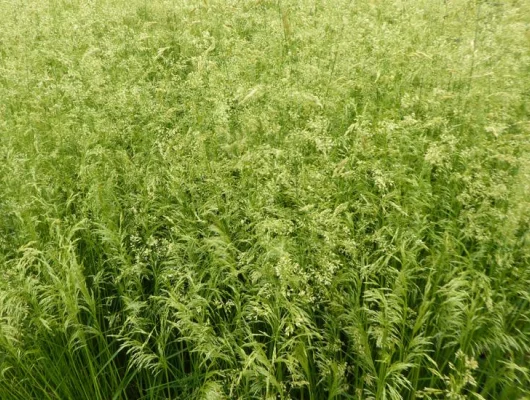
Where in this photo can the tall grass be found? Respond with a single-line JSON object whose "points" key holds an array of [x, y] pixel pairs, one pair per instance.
{"points": [[264, 199]]}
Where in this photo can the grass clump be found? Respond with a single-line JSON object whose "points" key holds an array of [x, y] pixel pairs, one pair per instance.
{"points": [[263, 199]]}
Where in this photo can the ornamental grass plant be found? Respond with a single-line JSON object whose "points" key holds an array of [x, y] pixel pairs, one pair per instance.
{"points": [[264, 199]]}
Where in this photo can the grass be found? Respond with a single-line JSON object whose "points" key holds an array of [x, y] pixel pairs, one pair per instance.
{"points": [[264, 199]]}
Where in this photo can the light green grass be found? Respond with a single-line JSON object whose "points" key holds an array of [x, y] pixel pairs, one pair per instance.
{"points": [[264, 199]]}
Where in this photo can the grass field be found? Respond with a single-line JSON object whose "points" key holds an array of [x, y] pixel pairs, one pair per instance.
{"points": [[261, 199]]}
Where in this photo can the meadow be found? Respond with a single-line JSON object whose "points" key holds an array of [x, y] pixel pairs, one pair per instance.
{"points": [[264, 199]]}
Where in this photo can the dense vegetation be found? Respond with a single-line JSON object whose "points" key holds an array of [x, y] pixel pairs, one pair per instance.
{"points": [[263, 199]]}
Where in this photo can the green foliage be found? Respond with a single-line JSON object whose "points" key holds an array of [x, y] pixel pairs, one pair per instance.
{"points": [[264, 199]]}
